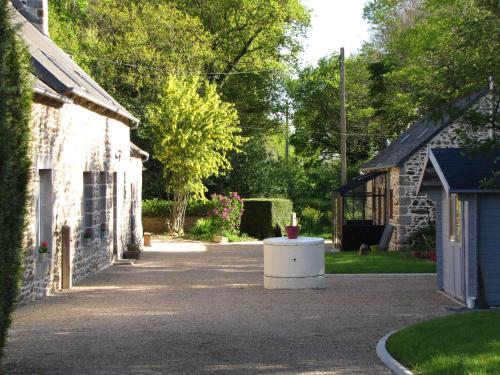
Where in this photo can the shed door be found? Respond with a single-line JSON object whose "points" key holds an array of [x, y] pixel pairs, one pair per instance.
{"points": [[489, 246], [453, 250]]}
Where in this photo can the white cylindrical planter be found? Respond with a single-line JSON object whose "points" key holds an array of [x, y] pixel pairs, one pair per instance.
{"points": [[294, 264]]}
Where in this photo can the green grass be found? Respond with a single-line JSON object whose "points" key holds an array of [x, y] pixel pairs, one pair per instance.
{"points": [[324, 235], [465, 343], [379, 262]]}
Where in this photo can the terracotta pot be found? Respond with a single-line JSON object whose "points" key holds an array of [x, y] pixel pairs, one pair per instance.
{"points": [[292, 231], [220, 239]]}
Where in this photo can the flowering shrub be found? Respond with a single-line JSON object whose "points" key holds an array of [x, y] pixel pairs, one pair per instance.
{"points": [[87, 233], [226, 215], [430, 254], [44, 248]]}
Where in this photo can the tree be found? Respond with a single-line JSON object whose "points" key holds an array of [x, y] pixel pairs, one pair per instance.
{"points": [[315, 98], [427, 53], [249, 34], [191, 130], [129, 47], [15, 107]]}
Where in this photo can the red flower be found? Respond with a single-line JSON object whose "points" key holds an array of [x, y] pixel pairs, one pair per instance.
{"points": [[44, 244]]}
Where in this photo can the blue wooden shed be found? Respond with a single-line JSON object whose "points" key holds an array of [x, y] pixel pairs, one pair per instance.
{"points": [[467, 223]]}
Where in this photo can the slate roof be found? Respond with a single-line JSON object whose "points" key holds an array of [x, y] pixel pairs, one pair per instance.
{"points": [[420, 134], [358, 181], [58, 74], [462, 172]]}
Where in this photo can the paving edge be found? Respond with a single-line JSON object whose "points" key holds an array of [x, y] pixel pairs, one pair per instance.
{"points": [[396, 367]]}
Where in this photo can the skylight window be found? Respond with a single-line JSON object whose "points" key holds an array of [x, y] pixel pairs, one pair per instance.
{"points": [[66, 73], [405, 138], [422, 134]]}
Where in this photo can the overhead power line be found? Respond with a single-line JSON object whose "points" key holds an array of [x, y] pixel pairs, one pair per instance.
{"points": [[187, 72]]}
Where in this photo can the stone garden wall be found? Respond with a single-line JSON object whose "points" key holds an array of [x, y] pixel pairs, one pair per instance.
{"points": [[82, 177]]}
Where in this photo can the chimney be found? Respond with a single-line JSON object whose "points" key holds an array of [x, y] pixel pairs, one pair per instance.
{"points": [[36, 11]]}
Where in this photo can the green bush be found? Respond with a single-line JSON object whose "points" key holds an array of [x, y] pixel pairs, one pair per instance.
{"points": [[15, 109], [310, 218], [423, 238], [203, 230], [199, 207], [161, 207], [261, 215], [156, 207]]}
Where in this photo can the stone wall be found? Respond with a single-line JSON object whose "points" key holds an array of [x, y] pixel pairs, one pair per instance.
{"points": [[95, 185], [412, 212]]}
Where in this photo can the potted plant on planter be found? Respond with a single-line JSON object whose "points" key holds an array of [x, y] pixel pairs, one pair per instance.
{"points": [[43, 252], [132, 252], [292, 231], [87, 236], [103, 230], [225, 217]]}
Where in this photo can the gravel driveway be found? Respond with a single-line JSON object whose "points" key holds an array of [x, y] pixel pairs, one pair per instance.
{"points": [[207, 313]]}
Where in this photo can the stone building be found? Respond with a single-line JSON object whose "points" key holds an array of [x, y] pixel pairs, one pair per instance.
{"points": [[387, 192], [86, 183]]}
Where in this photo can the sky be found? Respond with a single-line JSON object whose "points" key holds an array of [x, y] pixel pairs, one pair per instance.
{"points": [[334, 24]]}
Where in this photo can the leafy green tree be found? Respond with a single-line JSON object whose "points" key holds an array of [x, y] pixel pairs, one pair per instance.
{"points": [[15, 104], [249, 34], [427, 53], [191, 130], [316, 103], [130, 48]]}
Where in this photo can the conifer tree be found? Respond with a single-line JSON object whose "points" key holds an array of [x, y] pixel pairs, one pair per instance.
{"points": [[15, 107]]}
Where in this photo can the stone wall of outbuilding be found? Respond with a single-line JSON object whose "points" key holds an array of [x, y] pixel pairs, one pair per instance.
{"points": [[95, 187], [411, 211]]}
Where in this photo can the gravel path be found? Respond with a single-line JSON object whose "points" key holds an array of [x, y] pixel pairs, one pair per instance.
{"points": [[207, 313]]}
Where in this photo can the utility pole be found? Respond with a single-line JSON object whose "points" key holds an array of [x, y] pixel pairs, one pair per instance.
{"points": [[287, 132], [343, 127]]}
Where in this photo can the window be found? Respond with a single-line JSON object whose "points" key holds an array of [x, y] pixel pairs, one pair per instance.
{"points": [[455, 217], [458, 219], [391, 203], [95, 206]]}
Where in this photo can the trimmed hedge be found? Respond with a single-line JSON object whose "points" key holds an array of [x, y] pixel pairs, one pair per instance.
{"points": [[262, 214], [15, 109], [161, 208], [156, 207]]}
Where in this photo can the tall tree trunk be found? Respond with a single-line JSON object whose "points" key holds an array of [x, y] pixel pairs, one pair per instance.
{"points": [[178, 214]]}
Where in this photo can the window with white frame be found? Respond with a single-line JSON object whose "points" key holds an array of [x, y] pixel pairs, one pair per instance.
{"points": [[455, 217]]}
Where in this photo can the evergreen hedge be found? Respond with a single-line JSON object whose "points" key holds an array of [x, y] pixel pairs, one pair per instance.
{"points": [[161, 207], [15, 107], [261, 215]]}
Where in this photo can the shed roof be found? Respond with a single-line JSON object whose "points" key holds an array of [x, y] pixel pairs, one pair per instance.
{"points": [[420, 134], [358, 181], [460, 171], [58, 74]]}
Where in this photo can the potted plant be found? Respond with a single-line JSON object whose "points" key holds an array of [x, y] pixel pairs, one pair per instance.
{"points": [[103, 230], [225, 217], [43, 252], [220, 239], [132, 252], [292, 231], [87, 236]]}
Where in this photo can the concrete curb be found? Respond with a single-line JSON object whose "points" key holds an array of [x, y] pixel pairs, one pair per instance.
{"points": [[380, 274], [396, 367]]}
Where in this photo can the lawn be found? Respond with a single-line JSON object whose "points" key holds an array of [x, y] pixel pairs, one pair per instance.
{"points": [[464, 343], [379, 262]]}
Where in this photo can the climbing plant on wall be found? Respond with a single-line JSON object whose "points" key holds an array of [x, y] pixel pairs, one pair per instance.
{"points": [[15, 104]]}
